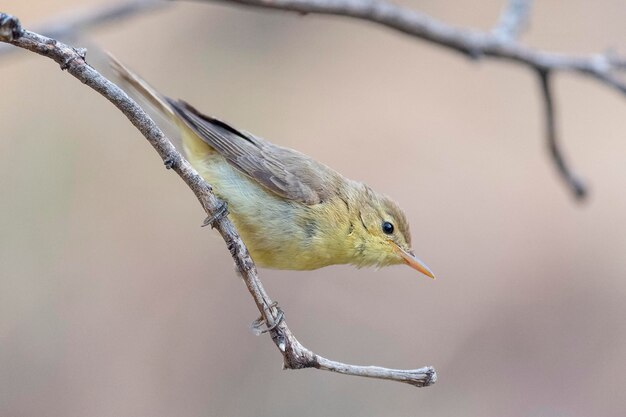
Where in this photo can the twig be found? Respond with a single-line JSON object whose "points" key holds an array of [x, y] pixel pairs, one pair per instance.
{"points": [[572, 181], [295, 356], [513, 19], [473, 43], [68, 27]]}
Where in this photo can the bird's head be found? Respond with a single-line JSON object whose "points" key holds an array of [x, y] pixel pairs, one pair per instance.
{"points": [[384, 238]]}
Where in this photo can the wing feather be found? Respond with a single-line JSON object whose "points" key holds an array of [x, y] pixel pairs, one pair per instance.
{"points": [[286, 172]]}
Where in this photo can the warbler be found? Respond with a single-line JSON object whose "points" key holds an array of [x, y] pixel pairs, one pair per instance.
{"points": [[291, 211]]}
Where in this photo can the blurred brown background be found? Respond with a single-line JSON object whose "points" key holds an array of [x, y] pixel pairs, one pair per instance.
{"points": [[113, 301]]}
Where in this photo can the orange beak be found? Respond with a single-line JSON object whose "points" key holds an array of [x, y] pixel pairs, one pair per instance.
{"points": [[411, 260]]}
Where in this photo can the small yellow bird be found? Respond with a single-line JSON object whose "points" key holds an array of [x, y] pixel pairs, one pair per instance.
{"points": [[291, 211]]}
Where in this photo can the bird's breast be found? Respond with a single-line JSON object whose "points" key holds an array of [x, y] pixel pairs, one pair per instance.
{"points": [[279, 233]]}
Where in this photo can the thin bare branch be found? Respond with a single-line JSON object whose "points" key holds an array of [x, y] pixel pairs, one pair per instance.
{"points": [[572, 181], [68, 27], [513, 19], [295, 356], [473, 43]]}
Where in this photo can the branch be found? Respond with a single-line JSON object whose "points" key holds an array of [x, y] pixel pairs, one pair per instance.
{"points": [[513, 19], [68, 27], [295, 355], [573, 182], [473, 43]]}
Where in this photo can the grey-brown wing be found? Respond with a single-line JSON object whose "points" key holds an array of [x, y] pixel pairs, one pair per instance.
{"points": [[286, 172]]}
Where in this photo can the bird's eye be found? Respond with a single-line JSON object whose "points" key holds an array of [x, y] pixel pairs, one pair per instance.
{"points": [[387, 228]]}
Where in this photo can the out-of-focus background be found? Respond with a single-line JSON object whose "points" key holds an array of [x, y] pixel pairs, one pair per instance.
{"points": [[113, 300]]}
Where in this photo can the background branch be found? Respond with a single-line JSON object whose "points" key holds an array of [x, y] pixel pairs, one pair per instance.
{"points": [[552, 140], [69, 27], [473, 43], [513, 19], [295, 355]]}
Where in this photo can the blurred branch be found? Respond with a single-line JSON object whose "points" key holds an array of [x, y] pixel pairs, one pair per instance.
{"points": [[574, 183], [513, 19], [472, 43], [295, 355], [68, 27]]}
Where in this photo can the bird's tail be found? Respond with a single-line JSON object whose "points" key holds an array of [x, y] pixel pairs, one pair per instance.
{"points": [[143, 88], [195, 147]]}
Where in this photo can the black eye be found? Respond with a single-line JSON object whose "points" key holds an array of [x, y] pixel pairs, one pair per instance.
{"points": [[387, 228]]}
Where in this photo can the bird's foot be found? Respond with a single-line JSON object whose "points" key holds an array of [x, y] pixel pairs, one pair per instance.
{"points": [[171, 162], [220, 212], [259, 326], [10, 27]]}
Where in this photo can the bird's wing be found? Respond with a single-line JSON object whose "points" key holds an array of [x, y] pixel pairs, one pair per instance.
{"points": [[286, 172]]}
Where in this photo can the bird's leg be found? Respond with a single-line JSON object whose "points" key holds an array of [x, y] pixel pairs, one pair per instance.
{"points": [[220, 212], [259, 326]]}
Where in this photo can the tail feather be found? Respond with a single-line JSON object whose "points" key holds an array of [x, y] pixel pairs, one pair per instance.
{"points": [[143, 88], [195, 147]]}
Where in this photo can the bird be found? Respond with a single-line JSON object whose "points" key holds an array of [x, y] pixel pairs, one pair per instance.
{"points": [[291, 211]]}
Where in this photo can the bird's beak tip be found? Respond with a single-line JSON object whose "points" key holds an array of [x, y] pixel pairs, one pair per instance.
{"points": [[411, 260], [421, 267]]}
